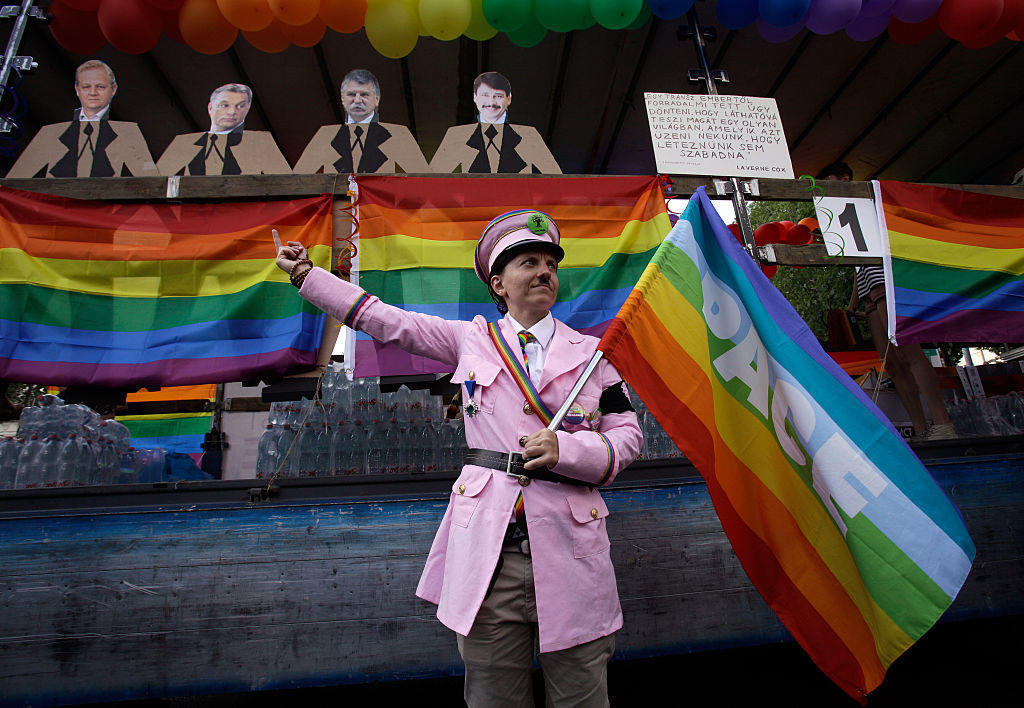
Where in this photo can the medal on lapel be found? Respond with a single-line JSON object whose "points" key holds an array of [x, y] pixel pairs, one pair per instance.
{"points": [[470, 383]]}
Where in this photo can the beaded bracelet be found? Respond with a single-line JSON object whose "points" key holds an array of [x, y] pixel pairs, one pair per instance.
{"points": [[297, 278]]}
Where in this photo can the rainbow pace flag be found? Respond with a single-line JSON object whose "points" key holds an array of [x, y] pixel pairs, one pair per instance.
{"points": [[174, 432], [130, 295], [835, 520], [417, 235], [957, 261]]}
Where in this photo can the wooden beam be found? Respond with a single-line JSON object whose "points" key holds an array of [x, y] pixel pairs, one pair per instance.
{"points": [[172, 94], [790, 63], [826, 107], [902, 93], [944, 112], [606, 105], [410, 104], [556, 90]]}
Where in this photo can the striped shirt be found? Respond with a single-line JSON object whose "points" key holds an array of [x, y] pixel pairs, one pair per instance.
{"points": [[867, 279]]}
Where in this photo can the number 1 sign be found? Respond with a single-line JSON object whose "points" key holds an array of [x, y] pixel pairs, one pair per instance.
{"points": [[849, 226]]}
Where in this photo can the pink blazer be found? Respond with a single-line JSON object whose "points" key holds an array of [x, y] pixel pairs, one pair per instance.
{"points": [[577, 600]]}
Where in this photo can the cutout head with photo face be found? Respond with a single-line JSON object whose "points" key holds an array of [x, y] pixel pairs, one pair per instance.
{"points": [[227, 148], [493, 145], [363, 144], [90, 145]]}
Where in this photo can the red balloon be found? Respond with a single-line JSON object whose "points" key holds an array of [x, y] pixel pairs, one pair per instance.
{"points": [[171, 28], [166, 4], [1011, 19], [83, 5], [345, 16], [912, 33], [772, 232], [965, 20], [76, 31], [798, 235], [130, 25]]}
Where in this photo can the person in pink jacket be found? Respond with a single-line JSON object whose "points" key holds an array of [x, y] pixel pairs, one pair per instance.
{"points": [[522, 553]]}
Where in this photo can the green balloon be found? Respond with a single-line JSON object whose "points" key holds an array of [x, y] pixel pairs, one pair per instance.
{"points": [[529, 35], [560, 15], [588, 20], [617, 14], [506, 15], [641, 19]]}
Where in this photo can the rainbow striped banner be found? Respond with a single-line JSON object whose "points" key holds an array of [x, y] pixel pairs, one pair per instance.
{"points": [[837, 523], [957, 261], [130, 295], [417, 235], [174, 432]]}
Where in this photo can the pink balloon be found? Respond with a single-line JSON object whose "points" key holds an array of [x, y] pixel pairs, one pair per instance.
{"points": [[777, 35], [914, 11], [968, 20], [866, 28], [828, 16]]}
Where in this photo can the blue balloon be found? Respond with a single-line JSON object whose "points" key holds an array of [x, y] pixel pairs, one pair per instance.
{"points": [[669, 9], [783, 13], [736, 14]]}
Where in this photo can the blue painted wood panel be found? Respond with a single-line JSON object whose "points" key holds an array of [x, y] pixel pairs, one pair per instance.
{"points": [[149, 602]]}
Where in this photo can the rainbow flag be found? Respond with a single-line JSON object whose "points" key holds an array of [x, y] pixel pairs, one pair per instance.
{"points": [[130, 295], [174, 432], [837, 523], [957, 262], [417, 235]]}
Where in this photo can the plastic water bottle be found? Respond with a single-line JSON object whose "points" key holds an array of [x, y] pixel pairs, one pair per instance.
{"points": [[48, 458], [395, 457], [447, 447], [10, 449], [29, 471], [460, 439], [376, 448], [68, 459], [304, 454], [107, 462], [267, 456]]}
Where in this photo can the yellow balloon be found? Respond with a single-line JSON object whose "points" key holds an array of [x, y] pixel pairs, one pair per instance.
{"points": [[391, 27], [445, 19], [478, 28]]}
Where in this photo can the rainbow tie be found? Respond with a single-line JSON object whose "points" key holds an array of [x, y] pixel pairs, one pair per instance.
{"points": [[524, 339]]}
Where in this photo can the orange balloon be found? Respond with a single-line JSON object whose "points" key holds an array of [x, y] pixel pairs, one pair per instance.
{"points": [[204, 28], [307, 35], [295, 12], [271, 39], [246, 15], [343, 15]]}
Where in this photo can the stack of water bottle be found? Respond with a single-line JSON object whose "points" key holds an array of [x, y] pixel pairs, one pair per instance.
{"points": [[657, 444], [989, 415], [62, 445], [354, 428]]}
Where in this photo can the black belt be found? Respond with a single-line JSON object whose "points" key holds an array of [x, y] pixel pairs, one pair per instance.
{"points": [[512, 464]]}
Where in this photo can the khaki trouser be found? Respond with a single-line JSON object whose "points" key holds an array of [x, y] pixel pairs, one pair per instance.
{"points": [[499, 649]]}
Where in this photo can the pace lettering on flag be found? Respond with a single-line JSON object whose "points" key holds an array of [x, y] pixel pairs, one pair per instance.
{"points": [[149, 295], [835, 520]]}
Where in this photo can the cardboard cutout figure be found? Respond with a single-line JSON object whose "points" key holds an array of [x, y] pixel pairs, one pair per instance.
{"points": [[90, 145], [227, 148], [492, 144], [362, 144]]}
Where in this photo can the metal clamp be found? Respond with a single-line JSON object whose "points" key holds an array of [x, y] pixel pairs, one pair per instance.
{"points": [[508, 465]]}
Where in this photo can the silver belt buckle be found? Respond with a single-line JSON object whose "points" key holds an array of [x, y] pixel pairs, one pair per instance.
{"points": [[508, 465]]}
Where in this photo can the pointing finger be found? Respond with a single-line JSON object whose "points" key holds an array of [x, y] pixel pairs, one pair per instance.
{"points": [[277, 240]]}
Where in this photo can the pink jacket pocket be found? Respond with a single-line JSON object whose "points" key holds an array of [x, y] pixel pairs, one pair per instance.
{"points": [[589, 511], [466, 496]]}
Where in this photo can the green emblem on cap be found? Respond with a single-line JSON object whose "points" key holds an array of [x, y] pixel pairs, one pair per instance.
{"points": [[537, 223]]}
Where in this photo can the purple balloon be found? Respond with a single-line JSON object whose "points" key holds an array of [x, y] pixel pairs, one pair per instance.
{"points": [[777, 35], [783, 13], [874, 8], [828, 16], [868, 27], [914, 11]]}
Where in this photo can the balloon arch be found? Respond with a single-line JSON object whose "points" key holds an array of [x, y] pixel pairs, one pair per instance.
{"points": [[394, 26]]}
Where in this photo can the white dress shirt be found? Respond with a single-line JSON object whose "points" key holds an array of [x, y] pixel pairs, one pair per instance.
{"points": [[536, 352]]}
